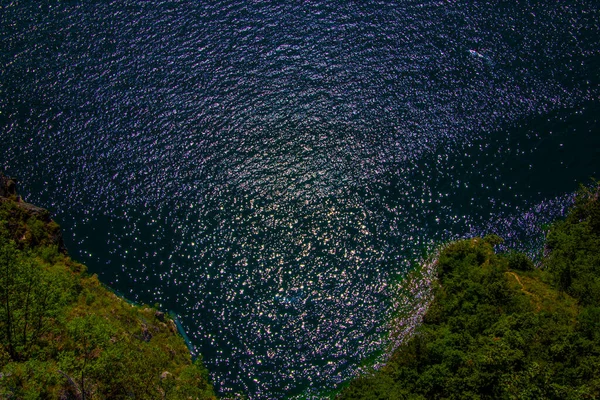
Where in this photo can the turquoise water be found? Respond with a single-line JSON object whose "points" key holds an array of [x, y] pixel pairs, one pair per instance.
{"points": [[268, 171]]}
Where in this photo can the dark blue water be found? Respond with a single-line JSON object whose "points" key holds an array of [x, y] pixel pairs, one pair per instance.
{"points": [[269, 171]]}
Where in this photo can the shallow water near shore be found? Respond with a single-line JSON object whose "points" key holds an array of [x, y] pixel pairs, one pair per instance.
{"points": [[269, 172]]}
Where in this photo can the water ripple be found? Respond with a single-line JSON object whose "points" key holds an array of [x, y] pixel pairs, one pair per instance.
{"points": [[270, 171]]}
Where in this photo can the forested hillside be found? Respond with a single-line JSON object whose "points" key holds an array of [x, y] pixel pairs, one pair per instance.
{"points": [[500, 328], [63, 335]]}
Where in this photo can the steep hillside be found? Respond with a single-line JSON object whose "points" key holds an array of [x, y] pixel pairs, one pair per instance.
{"points": [[499, 328], [63, 335]]}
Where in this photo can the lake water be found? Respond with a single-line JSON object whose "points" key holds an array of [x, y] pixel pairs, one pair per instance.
{"points": [[270, 170]]}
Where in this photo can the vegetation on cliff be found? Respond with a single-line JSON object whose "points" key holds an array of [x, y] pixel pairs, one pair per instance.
{"points": [[63, 335], [498, 328]]}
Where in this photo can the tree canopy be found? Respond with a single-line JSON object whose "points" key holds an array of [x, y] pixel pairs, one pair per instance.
{"points": [[499, 328], [64, 335]]}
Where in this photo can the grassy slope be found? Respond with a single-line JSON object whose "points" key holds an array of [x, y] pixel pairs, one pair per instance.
{"points": [[63, 335], [500, 329]]}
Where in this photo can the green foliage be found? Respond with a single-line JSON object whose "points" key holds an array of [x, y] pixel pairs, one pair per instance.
{"points": [[500, 328], [30, 298], [520, 262], [574, 259], [48, 254], [26, 225], [493, 239], [63, 335]]}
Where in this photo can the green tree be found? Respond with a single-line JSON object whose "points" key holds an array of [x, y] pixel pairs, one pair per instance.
{"points": [[8, 267], [90, 335], [30, 298]]}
